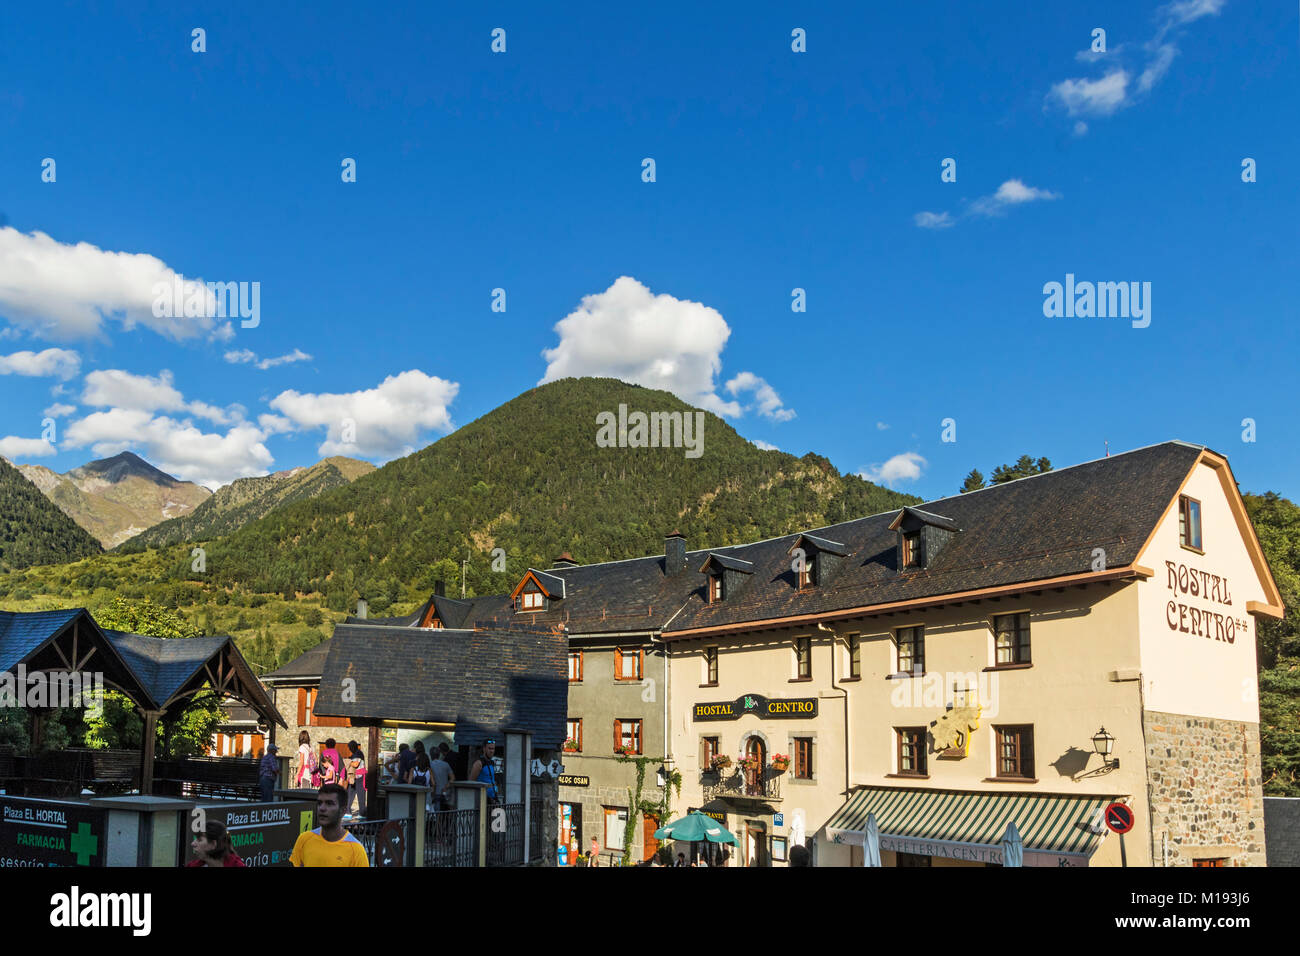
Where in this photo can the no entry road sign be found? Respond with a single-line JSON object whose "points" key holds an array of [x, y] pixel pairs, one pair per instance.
{"points": [[1119, 818]]}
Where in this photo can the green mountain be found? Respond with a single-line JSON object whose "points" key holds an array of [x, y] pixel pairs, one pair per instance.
{"points": [[32, 529], [530, 478], [116, 498], [240, 502]]}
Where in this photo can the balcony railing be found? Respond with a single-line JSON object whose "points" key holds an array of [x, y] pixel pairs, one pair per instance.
{"points": [[732, 784]]}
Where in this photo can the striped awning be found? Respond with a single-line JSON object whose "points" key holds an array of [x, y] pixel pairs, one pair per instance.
{"points": [[1048, 822]]}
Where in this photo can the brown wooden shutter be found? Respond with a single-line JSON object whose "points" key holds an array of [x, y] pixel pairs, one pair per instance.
{"points": [[302, 706], [618, 733]]}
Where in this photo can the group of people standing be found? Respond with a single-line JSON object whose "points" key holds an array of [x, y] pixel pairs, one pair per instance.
{"points": [[331, 768]]}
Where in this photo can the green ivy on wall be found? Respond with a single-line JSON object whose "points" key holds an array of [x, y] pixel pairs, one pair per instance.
{"points": [[643, 808]]}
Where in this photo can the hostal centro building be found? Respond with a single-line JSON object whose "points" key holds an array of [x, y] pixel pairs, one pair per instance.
{"points": [[1024, 654], [1021, 655]]}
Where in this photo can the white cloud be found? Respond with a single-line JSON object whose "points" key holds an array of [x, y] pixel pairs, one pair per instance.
{"points": [[1158, 67], [658, 341], [388, 420], [63, 363], [65, 291], [274, 424], [1080, 128], [178, 447], [1013, 192], [59, 410], [769, 403], [1093, 97], [119, 389], [13, 448], [904, 467], [1185, 11], [765, 445], [248, 356], [933, 220], [1103, 96], [881, 426]]}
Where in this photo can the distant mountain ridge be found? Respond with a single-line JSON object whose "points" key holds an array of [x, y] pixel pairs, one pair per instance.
{"points": [[32, 528], [234, 505], [530, 477], [118, 497]]}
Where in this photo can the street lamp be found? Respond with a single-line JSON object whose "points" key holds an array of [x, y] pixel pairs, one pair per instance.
{"points": [[1102, 742]]}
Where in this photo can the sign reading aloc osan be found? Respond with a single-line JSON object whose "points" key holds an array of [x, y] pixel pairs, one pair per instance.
{"points": [[758, 705], [50, 833]]}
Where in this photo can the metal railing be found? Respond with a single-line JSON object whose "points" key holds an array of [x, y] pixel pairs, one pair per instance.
{"points": [[762, 784], [451, 838], [386, 853], [505, 835]]}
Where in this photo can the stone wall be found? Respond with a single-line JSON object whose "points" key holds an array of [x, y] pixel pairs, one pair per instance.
{"points": [[1204, 787]]}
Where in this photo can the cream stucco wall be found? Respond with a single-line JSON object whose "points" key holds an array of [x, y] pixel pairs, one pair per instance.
{"points": [[1188, 664], [1085, 659]]}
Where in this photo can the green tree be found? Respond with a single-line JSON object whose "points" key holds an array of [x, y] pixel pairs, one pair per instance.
{"points": [[974, 481], [184, 731], [1023, 468]]}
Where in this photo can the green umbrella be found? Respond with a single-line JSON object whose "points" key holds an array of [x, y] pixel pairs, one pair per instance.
{"points": [[696, 826]]}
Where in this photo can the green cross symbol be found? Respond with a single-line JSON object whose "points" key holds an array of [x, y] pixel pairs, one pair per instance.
{"points": [[84, 844], [749, 703]]}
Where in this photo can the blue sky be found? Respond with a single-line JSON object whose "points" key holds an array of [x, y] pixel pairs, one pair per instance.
{"points": [[774, 170]]}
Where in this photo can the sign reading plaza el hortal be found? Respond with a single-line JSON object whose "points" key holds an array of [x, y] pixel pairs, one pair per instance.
{"points": [[759, 706]]}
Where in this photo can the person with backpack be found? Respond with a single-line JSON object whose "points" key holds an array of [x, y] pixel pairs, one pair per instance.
{"points": [[307, 774], [330, 762], [354, 775]]}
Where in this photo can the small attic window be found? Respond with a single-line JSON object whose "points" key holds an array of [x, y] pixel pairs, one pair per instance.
{"points": [[807, 575], [531, 598], [715, 588], [913, 550]]}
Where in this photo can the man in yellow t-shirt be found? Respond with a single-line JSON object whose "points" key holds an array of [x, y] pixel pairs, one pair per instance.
{"points": [[329, 844]]}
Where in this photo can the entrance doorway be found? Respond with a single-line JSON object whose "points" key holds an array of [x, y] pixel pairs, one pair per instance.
{"points": [[571, 828], [649, 824], [756, 844]]}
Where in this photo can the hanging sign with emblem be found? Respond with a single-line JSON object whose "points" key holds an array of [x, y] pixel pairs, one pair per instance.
{"points": [[762, 707]]}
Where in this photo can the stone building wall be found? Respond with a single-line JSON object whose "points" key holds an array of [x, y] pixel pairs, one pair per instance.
{"points": [[1204, 787]]}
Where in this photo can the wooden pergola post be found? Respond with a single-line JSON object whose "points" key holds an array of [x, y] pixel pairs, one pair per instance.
{"points": [[147, 750]]}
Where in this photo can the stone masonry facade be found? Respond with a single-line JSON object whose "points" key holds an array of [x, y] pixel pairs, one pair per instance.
{"points": [[1205, 790]]}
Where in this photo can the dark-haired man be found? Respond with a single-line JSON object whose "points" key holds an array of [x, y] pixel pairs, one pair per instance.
{"points": [[329, 844]]}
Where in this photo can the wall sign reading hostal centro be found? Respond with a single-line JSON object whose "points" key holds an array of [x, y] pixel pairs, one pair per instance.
{"points": [[758, 705]]}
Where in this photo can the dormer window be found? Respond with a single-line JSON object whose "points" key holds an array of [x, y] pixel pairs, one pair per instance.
{"points": [[807, 574], [913, 550], [715, 588], [532, 599]]}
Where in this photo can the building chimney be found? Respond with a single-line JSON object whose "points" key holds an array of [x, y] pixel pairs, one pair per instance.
{"points": [[440, 588], [674, 554], [564, 561]]}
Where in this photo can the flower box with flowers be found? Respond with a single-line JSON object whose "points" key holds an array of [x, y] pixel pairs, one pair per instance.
{"points": [[780, 762], [720, 763], [749, 764], [571, 746]]}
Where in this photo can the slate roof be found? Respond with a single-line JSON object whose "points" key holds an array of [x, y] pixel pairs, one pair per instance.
{"points": [[1034, 528], [483, 681], [22, 633], [306, 665], [153, 669], [727, 561], [170, 666], [1282, 831], [939, 521], [820, 544]]}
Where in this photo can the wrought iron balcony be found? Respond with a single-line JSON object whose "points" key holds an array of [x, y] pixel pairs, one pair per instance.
{"points": [[733, 784]]}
